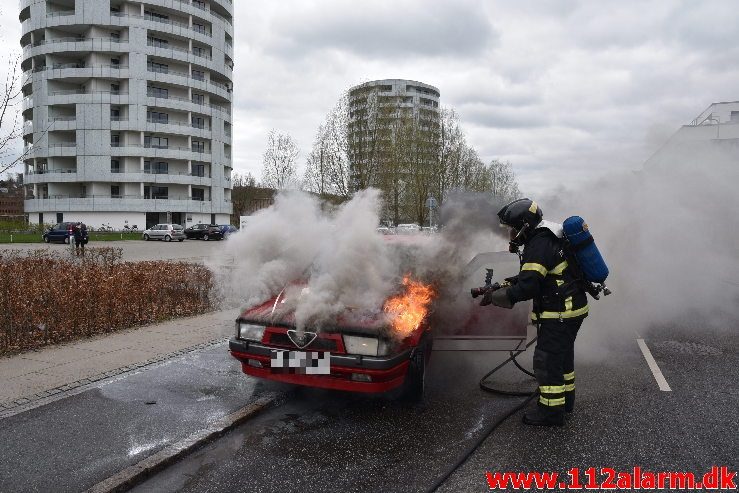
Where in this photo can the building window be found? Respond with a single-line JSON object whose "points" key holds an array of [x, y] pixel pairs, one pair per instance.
{"points": [[161, 68], [156, 168], [198, 51], [115, 113], [156, 142], [156, 192], [115, 191], [198, 146], [115, 140], [115, 166], [157, 92], [157, 42], [155, 16], [157, 117], [198, 170], [199, 28], [198, 122], [199, 4], [198, 194], [198, 98], [734, 117], [115, 88], [198, 75]]}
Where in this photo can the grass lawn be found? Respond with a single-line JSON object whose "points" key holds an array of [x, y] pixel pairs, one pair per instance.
{"points": [[94, 236]]}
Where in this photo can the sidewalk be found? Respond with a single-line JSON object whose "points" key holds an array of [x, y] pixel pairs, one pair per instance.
{"points": [[38, 374]]}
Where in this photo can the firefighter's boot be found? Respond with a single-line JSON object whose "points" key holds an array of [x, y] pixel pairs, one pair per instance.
{"points": [[545, 416]]}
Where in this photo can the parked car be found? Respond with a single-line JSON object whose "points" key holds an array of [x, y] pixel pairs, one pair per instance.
{"points": [[166, 232], [204, 232], [59, 233], [407, 229], [385, 230], [227, 230]]}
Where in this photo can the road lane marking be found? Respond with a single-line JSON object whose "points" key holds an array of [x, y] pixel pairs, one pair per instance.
{"points": [[663, 385]]}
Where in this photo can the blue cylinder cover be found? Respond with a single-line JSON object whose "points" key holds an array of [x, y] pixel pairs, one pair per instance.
{"points": [[583, 246]]}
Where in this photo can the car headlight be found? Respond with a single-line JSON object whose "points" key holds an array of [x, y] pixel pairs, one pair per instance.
{"points": [[366, 346], [249, 331]]}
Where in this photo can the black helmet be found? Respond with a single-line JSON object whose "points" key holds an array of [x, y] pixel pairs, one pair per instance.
{"points": [[521, 214]]}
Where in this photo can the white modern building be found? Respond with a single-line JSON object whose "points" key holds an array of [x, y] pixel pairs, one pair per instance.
{"points": [[127, 111], [716, 129]]}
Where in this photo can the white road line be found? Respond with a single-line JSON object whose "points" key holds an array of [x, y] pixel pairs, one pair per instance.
{"points": [[663, 385]]}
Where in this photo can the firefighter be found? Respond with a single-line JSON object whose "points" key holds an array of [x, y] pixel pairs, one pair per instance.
{"points": [[559, 301]]}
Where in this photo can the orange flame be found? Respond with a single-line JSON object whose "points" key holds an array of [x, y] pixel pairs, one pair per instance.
{"points": [[409, 308]]}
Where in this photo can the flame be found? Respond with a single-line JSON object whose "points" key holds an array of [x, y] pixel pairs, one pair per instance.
{"points": [[409, 308]]}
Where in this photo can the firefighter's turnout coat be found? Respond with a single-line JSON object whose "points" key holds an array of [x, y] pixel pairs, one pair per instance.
{"points": [[547, 278]]}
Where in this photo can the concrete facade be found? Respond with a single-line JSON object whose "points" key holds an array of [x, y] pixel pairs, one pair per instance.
{"points": [[127, 111]]}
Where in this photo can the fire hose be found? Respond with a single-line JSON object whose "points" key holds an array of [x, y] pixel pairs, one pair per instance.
{"points": [[495, 424]]}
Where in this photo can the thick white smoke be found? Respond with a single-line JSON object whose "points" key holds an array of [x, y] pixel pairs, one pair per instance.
{"points": [[670, 236], [345, 262]]}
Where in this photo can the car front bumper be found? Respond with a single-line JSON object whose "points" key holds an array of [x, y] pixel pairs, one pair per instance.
{"points": [[384, 373]]}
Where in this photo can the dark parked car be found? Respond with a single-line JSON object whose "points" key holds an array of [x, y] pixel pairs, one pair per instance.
{"points": [[59, 233], [227, 230], [204, 232]]}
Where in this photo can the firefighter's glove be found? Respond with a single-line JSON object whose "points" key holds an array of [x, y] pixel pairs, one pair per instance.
{"points": [[487, 298], [500, 298]]}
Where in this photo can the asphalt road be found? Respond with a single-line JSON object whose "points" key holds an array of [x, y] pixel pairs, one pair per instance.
{"points": [[73, 443], [329, 441], [136, 250], [325, 441]]}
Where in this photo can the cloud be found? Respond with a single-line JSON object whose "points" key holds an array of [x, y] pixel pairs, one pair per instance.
{"points": [[383, 30]]}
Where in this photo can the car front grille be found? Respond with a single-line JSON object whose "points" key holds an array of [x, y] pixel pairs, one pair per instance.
{"points": [[320, 344]]}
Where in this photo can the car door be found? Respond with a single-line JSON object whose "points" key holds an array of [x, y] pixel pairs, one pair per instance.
{"points": [[461, 324], [156, 232]]}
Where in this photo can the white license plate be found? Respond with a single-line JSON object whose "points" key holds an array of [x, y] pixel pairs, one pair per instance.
{"points": [[303, 362]]}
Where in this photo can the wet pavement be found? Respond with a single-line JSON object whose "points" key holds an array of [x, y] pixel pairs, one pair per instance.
{"points": [[73, 443], [331, 441], [327, 441]]}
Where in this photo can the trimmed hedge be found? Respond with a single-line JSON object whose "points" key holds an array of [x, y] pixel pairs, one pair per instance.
{"points": [[47, 299]]}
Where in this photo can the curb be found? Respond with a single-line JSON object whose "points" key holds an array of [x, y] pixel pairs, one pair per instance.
{"points": [[135, 474]]}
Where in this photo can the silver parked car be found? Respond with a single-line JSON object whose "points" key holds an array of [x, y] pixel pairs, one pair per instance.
{"points": [[166, 232]]}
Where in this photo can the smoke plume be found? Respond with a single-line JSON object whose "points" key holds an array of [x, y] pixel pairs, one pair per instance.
{"points": [[670, 236]]}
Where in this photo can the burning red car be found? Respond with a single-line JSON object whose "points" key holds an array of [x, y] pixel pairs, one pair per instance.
{"points": [[360, 352], [382, 350]]}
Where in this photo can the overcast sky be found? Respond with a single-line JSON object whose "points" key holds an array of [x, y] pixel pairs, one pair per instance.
{"points": [[565, 90]]}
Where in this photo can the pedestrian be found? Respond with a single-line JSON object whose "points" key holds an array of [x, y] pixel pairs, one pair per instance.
{"points": [[559, 306], [80, 238]]}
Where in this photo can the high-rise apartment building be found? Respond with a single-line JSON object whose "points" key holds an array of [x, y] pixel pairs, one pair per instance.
{"points": [[376, 110], [127, 111]]}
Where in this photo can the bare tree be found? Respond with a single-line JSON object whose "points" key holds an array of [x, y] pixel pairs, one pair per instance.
{"points": [[503, 182], [10, 128], [280, 161], [327, 169]]}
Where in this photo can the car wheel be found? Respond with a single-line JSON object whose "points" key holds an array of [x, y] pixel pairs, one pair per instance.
{"points": [[206, 237], [167, 238], [146, 237], [46, 239], [415, 379]]}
